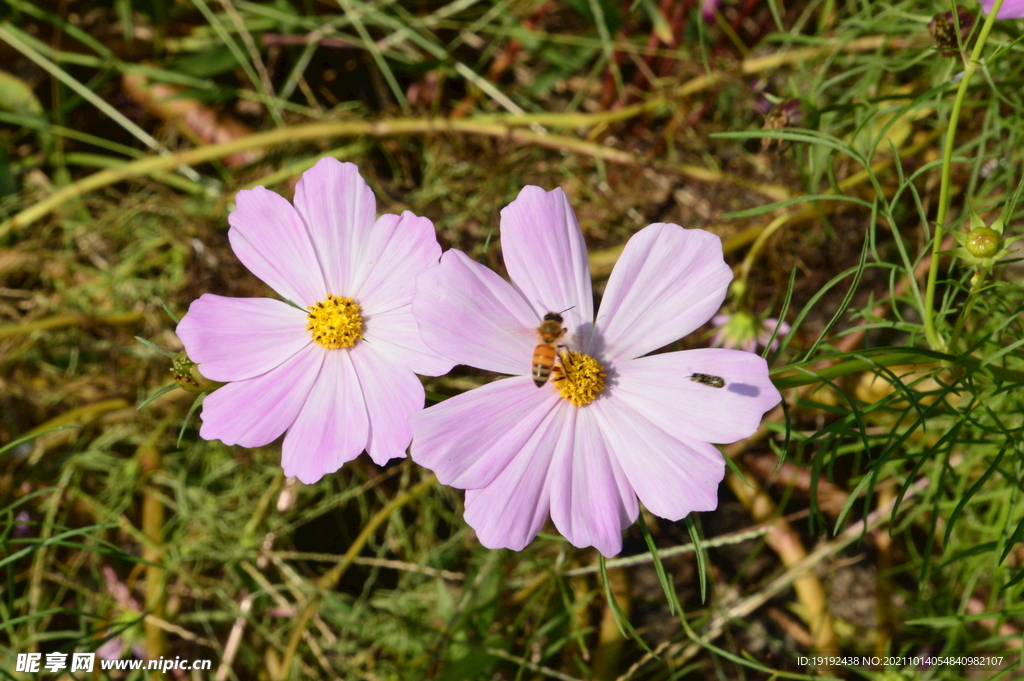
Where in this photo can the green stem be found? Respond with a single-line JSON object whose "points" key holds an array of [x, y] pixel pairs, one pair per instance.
{"points": [[947, 164], [740, 285], [976, 283]]}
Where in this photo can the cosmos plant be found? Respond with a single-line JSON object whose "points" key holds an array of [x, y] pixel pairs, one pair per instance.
{"points": [[333, 365], [613, 424]]}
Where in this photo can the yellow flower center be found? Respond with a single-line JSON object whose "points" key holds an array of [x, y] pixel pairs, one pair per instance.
{"points": [[580, 378], [335, 322]]}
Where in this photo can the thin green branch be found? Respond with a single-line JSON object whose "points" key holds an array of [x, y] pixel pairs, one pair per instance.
{"points": [[977, 282], [944, 187]]}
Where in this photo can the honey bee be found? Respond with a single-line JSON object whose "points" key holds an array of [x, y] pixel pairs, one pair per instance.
{"points": [[708, 380], [549, 332]]}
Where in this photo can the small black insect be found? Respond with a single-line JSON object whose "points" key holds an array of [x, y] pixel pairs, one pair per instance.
{"points": [[708, 380]]}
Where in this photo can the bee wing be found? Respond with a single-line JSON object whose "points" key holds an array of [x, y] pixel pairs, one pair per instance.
{"points": [[520, 333], [529, 334], [520, 341]]}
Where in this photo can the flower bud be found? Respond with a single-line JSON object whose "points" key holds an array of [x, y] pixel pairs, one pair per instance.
{"points": [[943, 30], [186, 373], [789, 113], [982, 242]]}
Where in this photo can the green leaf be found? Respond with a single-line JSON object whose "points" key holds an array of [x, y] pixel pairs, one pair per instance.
{"points": [[658, 21], [17, 97], [698, 550], [207, 64], [56, 539], [158, 393], [33, 436], [1019, 576], [153, 346], [188, 417], [612, 17], [621, 621], [666, 582], [973, 551], [473, 666], [970, 493], [752, 212], [170, 314]]}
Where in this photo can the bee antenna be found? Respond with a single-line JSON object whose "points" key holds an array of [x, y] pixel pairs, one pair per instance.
{"points": [[541, 307]]}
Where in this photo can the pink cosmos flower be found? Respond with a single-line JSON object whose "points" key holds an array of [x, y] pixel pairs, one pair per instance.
{"points": [[746, 332], [336, 367], [1011, 9], [611, 425]]}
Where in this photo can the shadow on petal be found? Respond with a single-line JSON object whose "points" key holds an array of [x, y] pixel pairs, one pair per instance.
{"points": [[744, 389]]}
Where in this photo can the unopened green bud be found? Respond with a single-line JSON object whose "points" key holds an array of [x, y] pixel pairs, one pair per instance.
{"points": [[186, 373], [982, 242]]}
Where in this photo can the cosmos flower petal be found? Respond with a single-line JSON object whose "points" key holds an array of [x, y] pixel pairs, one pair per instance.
{"points": [[672, 477], [469, 439], [254, 412], [1011, 9], [659, 388], [395, 247], [332, 427], [269, 237], [392, 394], [591, 498], [667, 283], [237, 338], [509, 512], [470, 315], [396, 333], [772, 326], [546, 257], [339, 209]]}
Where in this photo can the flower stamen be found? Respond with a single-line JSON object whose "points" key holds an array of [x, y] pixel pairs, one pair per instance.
{"points": [[335, 322], [579, 378]]}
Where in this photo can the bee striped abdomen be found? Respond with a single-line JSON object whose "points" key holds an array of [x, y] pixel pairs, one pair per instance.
{"points": [[543, 362]]}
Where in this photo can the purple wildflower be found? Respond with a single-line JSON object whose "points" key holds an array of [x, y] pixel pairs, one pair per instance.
{"points": [[611, 425], [708, 9], [337, 368], [22, 524], [944, 26], [1011, 9]]}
